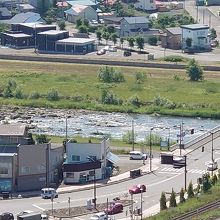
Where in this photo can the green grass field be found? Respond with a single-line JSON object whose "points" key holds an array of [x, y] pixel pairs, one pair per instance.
{"points": [[79, 87]]}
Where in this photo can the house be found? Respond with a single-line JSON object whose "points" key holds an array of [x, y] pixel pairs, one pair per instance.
{"points": [[90, 3], [37, 3], [131, 26], [77, 12], [171, 38], [111, 20], [86, 160], [25, 8], [212, 2], [146, 5], [9, 4], [5, 13], [26, 17], [198, 35]]}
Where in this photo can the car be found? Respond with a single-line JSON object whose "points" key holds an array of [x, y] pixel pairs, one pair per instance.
{"points": [[112, 49], [101, 52], [48, 193], [127, 53], [114, 208], [6, 216], [99, 216], [137, 155], [137, 189], [212, 165]]}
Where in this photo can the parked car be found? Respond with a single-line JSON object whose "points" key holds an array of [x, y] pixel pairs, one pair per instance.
{"points": [[101, 52], [48, 193], [127, 53], [137, 189], [212, 165], [99, 216], [137, 155], [114, 208], [6, 216], [113, 49]]}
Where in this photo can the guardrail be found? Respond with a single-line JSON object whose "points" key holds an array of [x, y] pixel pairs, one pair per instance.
{"points": [[197, 139], [205, 208]]}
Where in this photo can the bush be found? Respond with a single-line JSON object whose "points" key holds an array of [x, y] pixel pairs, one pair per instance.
{"points": [[128, 138], [53, 95], [108, 97], [34, 95], [173, 199], [206, 185], [140, 77], [182, 198], [152, 40], [160, 101], [42, 138], [134, 100], [175, 59], [163, 200], [190, 190], [19, 94]]}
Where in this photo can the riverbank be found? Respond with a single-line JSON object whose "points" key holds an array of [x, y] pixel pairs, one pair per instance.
{"points": [[160, 91]]}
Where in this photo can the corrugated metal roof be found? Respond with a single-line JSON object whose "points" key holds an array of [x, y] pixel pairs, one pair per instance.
{"points": [[5, 12], [81, 2], [138, 20], [12, 129], [26, 17]]}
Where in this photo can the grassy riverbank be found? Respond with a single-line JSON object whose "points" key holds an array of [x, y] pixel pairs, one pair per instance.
{"points": [[167, 92]]}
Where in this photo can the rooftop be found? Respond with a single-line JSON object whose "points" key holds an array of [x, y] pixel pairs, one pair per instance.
{"points": [[81, 2], [36, 24], [174, 30], [52, 32], [195, 26], [12, 129], [19, 35], [73, 40], [133, 20]]}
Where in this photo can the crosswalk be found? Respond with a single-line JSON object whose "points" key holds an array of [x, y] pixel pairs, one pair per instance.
{"points": [[178, 171]]}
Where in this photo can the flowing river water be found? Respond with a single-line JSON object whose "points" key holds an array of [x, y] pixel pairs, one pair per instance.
{"points": [[86, 124]]}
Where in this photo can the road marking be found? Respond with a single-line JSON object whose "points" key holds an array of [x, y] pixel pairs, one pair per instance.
{"points": [[38, 207], [182, 170], [79, 218]]}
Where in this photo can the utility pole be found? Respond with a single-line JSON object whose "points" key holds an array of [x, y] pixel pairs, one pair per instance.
{"points": [[197, 14], [185, 174], [132, 135], [203, 16], [66, 130], [132, 206], [150, 150], [212, 153]]}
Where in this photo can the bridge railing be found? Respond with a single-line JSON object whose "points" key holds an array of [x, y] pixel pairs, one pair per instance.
{"points": [[197, 139]]}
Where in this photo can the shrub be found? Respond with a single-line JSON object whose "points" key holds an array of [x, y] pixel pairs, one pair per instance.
{"points": [[152, 40], [182, 198], [160, 101], [173, 199], [134, 100], [52, 95], [19, 94], [175, 58], [155, 139], [108, 97], [163, 205], [140, 77], [190, 190], [42, 138], [34, 95], [206, 185], [128, 138]]}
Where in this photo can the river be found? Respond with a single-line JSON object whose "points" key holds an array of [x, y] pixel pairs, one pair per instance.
{"points": [[86, 124]]}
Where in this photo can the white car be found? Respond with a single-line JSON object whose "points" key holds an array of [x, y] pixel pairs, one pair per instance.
{"points": [[99, 216], [212, 165], [48, 193]]}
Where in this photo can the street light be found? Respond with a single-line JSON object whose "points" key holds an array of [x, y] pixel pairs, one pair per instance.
{"points": [[141, 204], [94, 185]]}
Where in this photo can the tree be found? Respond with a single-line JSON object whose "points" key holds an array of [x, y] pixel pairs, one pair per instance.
{"points": [[106, 36], [42, 139], [53, 95], [131, 41], [152, 40], [99, 35], [114, 38], [129, 137], [83, 29], [182, 198], [62, 25], [140, 42], [163, 200], [173, 199], [190, 190], [78, 22], [213, 34], [10, 87], [122, 41], [206, 185], [194, 71], [188, 42]]}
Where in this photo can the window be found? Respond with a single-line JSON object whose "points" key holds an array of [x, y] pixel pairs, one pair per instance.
{"points": [[69, 175], [93, 158], [75, 158], [3, 170], [92, 173], [25, 170]]}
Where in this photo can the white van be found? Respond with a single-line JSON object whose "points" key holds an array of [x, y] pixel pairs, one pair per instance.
{"points": [[137, 155], [47, 193]]}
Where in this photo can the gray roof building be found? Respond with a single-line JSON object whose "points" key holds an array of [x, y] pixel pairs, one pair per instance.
{"points": [[136, 20], [5, 13], [12, 129], [195, 26], [26, 17]]}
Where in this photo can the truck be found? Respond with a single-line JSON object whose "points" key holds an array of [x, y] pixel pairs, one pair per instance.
{"points": [[32, 216]]}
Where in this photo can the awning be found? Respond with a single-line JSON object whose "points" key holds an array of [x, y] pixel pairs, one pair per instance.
{"points": [[112, 158]]}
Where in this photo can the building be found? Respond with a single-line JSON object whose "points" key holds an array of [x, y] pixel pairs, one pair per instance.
{"points": [[25, 8], [212, 2], [146, 5], [24, 35], [26, 17], [171, 38], [199, 36], [5, 13], [77, 12], [90, 3], [86, 160]]}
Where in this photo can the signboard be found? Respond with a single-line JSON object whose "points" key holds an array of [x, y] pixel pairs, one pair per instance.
{"points": [[5, 186], [164, 143]]}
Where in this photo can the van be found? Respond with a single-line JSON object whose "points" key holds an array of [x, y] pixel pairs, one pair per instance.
{"points": [[137, 155], [48, 193]]}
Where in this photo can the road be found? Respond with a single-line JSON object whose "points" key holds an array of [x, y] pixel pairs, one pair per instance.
{"points": [[164, 179]]}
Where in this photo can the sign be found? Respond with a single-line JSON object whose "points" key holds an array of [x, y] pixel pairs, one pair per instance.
{"points": [[164, 143], [5, 185]]}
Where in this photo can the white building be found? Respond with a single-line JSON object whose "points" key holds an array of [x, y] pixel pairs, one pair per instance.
{"points": [[146, 5], [199, 35], [86, 159]]}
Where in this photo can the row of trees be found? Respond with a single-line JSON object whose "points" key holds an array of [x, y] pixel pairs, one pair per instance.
{"points": [[204, 186]]}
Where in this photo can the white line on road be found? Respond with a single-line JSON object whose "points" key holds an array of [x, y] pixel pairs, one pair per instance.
{"points": [[79, 218], [38, 207]]}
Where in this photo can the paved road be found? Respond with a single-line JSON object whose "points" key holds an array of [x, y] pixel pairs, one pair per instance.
{"points": [[164, 179]]}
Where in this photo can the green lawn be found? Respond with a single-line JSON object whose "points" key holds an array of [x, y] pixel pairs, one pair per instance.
{"points": [[79, 87]]}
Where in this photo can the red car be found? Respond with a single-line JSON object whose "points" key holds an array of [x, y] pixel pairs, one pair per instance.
{"points": [[114, 208], [137, 189]]}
